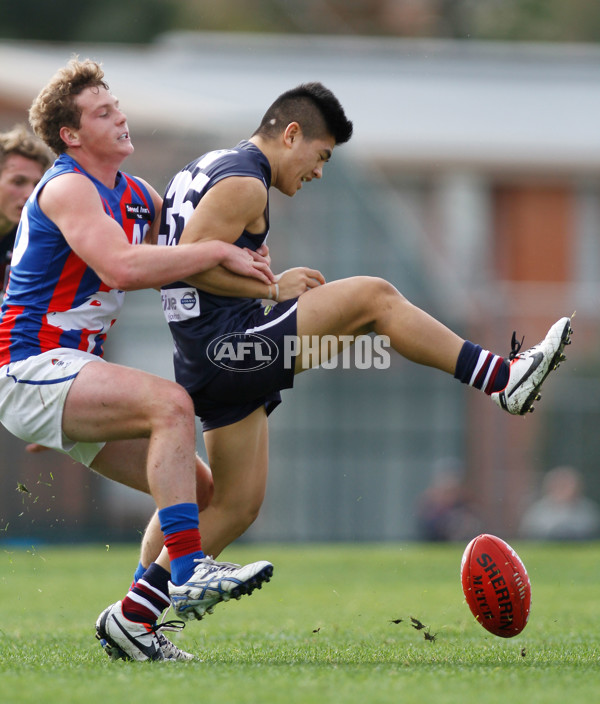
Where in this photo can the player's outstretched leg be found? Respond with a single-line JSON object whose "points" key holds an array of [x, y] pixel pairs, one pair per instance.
{"points": [[123, 639], [213, 582], [529, 369]]}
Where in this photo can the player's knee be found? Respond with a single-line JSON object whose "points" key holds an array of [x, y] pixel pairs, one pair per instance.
{"points": [[177, 403], [376, 292], [381, 288]]}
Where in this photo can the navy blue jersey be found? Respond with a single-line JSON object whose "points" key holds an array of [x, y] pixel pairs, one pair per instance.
{"points": [[196, 317]]}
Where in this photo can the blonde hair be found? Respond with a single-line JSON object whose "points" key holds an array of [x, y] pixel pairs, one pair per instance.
{"points": [[56, 105]]}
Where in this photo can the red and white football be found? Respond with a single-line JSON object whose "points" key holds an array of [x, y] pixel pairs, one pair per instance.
{"points": [[496, 585]]}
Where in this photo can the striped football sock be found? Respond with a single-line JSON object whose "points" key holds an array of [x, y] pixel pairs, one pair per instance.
{"points": [[481, 369], [149, 596]]}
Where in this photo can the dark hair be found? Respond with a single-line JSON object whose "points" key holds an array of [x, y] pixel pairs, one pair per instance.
{"points": [[56, 104], [314, 107]]}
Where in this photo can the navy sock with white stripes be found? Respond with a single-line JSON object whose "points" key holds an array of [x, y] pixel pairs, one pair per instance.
{"points": [[481, 369], [149, 596]]}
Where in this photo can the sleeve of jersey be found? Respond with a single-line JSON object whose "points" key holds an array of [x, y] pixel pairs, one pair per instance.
{"points": [[236, 164]]}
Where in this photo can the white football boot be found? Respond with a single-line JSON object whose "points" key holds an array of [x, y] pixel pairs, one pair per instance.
{"points": [[169, 650], [123, 639], [529, 369], [213, 582]]}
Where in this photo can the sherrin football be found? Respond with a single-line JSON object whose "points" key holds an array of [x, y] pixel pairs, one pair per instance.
{"points": [[496, 585]]}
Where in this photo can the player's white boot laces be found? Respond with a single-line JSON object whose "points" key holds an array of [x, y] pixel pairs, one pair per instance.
{"points": [[123, 639], [529, 369], [213, 582]]}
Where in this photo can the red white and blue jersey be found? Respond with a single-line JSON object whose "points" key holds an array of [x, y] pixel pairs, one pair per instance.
{"points": [[54, 299]]}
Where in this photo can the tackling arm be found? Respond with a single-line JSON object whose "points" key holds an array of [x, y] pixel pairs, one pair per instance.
{"points": [[233, 205], [71, 201]]}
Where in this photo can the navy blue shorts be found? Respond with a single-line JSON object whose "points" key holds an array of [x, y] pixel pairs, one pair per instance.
{"points": [[254, 366]]}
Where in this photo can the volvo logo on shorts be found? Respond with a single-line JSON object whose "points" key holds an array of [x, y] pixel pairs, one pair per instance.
{"points": [[242, 352], [188, 300]]}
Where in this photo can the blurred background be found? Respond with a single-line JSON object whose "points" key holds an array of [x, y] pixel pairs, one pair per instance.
{"points": [[472, 183]]}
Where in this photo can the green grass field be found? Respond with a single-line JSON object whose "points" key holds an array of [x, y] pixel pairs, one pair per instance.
{"points": [[321, 631]]}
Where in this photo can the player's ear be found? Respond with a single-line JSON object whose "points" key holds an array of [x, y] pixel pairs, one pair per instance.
{"points": [[292, 134], [69, 136]]}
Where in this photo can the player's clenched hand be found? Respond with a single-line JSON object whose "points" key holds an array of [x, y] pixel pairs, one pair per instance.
{"points": [[294, 282], [245, 262], [263, 250]]}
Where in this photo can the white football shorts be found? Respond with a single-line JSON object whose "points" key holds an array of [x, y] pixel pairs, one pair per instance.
{"points": [[32, 398]]}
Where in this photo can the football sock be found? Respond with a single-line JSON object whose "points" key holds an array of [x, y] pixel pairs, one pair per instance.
{"points": [[179, 523], [481, 369], [149, 596]]}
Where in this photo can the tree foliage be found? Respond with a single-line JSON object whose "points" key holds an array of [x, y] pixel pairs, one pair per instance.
{"points": [[141, 21]]}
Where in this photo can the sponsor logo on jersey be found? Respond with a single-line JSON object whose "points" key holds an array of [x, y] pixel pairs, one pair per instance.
{"points": [[188, 300], [242, 352], [137, 211], [180, 304]]}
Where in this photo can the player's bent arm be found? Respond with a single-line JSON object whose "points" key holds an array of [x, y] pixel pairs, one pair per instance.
{"points": [[290, 284], [222, 282], [231, 206], [73, 204]]}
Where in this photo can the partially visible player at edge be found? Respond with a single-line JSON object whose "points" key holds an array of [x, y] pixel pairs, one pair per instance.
{"points": [[79, 246], [23, 160], [229, 189]]}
